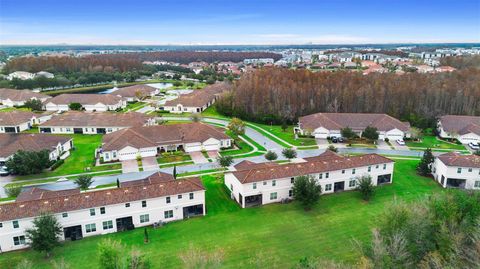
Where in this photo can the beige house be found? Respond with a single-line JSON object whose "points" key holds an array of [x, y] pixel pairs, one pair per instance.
{"points": [[19, 121], [136, 92], [465, 129], [197, 101], [12, 97], [89, 102]]}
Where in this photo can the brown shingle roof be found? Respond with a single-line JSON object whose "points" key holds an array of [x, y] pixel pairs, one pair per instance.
{"points": [[98, 119], [199, 98], [75, 200], [16, 117], [20, 95], [460, 124], [319, 165], [356, 121], [456, 159], [151, 136], [11, 143], [132, 91], [85, 99]]}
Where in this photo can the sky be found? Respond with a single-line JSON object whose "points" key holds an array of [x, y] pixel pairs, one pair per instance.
{"points": [[244, 22]]}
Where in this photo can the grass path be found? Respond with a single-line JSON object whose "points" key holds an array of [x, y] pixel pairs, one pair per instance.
{"points": [[282, 233]]}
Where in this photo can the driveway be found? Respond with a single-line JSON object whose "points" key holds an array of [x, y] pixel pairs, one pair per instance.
{"points": [[149, 164], [129, 166], [212, 154], [322, 143], [398, 146], [197, 157], [383, 145]]}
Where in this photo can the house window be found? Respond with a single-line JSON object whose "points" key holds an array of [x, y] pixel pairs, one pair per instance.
{"points": [[384, 166], [144, 218], [191, 195], [376, 166], [168, 214], [328, 187], [254, 186], [108, 225], [352, 183], [459, 170], [1, 225], [102, 210], [469, 170], [273, 196], [369, 169], [90, 228], [64, 215], [114, 154], [320, 176], [292, 180], [15, 224], [92, 211], [144, 203], [179, 196], [127, 205], [231, 187], [264, 183], [274, 183], [343, 171], [19, 240], [168, 200], [290, 193], [327, 175], [353, 171], [477, 184]]}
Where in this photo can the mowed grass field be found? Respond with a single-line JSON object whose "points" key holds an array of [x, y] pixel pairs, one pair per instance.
{"points": [[281, 234]]}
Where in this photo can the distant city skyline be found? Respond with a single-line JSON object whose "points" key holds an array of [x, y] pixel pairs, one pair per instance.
{"points": [[246, 22]]}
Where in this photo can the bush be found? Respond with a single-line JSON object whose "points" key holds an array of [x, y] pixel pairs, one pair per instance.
{"points": [[56, 164], [289, 153], [307, 191], [13, 190], [28, 162], [365, 187]]}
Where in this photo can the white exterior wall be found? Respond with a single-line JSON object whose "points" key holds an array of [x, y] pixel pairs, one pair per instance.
{"points": [[439, 169], [54, 154], [323, 133], [55, 107], [464, 139], [86, 130], [155, 209], [284, 185], [22, 127], [89, 107]]}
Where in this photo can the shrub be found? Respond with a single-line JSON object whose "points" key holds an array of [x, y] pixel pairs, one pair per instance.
{"points": [[56, 164], [307, 191], [365, 187], [13, 190]]}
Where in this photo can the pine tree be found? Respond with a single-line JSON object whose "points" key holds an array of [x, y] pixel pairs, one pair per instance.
{"points": [[174, 171], [424, 168]]}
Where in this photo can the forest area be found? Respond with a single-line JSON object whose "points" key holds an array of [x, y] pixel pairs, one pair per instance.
{"points": [[273, 95]]}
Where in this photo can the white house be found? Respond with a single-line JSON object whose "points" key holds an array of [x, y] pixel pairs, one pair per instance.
{"points": [[465, 129], [89, 102], [254, 184], [76, 122], [453, 170], [156, 199], [128, 144], [20, 75], [324, 125], [197, 101], [11, 143], [19, 121], [136, 92], [12, 97], [44, 74]]}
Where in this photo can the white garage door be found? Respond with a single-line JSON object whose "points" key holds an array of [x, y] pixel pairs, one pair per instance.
{"points": [[193, 148], [211, 147]]}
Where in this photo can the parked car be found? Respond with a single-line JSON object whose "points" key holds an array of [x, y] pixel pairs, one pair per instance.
{"points": [[4, 172], [334, 140], [474, 146], [341, 140], [401, 142]]}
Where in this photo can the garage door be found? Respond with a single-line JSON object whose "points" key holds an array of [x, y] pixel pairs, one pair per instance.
{"points": [[127, 156], [211, 147], [193, 148], [394, 136]]}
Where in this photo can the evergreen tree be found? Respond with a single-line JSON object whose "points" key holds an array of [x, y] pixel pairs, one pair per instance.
{"points": [[307, 191], [44, 234], [271, 155], [424, 168]]}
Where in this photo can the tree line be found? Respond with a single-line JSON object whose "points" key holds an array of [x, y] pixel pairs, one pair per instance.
{"points": [[275, 95]]}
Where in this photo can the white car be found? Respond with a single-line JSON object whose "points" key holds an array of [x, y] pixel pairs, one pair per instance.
{"points": [[401, 142], [474, 146]]}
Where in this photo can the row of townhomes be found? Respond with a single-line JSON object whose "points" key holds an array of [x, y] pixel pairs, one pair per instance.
{"points": [[465, 129], [75, 122], [254, 184], [130, 143], [136, 92], [156, 199], [55, 144], [11, 97], [19, 121], [197, 101], [89, 102], [324, 125]]}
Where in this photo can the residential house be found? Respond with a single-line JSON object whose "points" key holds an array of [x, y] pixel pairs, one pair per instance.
{"points": [[324, 125], [453, 170], [254, 184], [136, 92], [89, 102], [19, 121], [154, 200], [11, 143], [12, 97], [22, 75], [44, 74], [465, 129], [129, 143], [76, 122], [197, 101]]}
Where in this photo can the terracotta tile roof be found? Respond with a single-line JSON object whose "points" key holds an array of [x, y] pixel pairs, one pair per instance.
{"points": [[319, 165], [247, 165], [460, 124], [152, 136], [199, 98], [85, 99], [65, 201], [356, 121], [16, 117], [132, 91], [456, 159], [20, 95], [36, 193], [11, 143], [98, 119]]}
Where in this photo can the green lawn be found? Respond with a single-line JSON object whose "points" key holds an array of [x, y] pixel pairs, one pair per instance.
{"points": [[133, 106], [176, 156], [431, 141], [10, 109], [287, 135], [80, 158], [282, 233]]}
